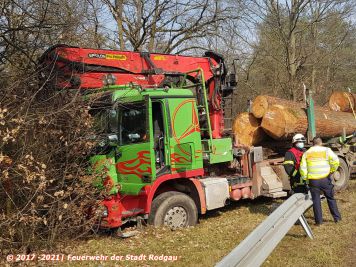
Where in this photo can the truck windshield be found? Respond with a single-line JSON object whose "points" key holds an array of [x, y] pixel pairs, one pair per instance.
{"points": [[132, 123]]}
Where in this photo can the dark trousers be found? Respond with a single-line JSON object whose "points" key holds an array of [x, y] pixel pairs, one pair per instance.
{"points": [[323, 185]]}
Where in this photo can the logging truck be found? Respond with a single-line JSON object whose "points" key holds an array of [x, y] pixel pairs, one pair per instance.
{"points": [[166, 156]]}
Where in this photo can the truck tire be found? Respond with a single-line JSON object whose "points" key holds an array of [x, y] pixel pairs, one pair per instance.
{"points": [[173, 209], [341, 176]]}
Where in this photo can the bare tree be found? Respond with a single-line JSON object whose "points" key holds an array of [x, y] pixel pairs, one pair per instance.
{"points": [[29, 27], [164, 25], [289, 39]]}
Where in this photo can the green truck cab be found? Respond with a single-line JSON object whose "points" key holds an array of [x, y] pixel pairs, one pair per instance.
{"points": [[154, 143]]}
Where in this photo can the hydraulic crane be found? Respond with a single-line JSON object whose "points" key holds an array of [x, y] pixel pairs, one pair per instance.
{"points": [[72, 67]]}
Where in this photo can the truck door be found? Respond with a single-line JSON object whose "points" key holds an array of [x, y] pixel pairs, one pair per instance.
{"points": [[134, 157], [185, 141]]}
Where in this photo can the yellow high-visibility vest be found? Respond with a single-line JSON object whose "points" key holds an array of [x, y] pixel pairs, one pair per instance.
{"points": [[318, 162]]}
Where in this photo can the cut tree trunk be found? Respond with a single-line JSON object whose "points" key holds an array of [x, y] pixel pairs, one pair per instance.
{"points": [[261, 104], [281, 122], [342, 101], [247, 129]]}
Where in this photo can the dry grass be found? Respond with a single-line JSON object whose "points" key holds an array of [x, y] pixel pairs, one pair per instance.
{"points": [[334, 244], [219, 232]]}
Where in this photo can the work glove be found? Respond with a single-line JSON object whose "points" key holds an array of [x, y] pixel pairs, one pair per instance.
{"points": [[307, 187]]}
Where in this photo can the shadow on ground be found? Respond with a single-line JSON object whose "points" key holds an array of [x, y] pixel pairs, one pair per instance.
{"points": [[261, 205]]}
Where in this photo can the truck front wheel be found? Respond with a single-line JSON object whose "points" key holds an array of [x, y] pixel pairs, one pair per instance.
{"points": [[341, 176], [173, 209]]}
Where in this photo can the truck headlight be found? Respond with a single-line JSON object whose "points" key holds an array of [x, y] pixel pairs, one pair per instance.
{"points": [[102, 211]]}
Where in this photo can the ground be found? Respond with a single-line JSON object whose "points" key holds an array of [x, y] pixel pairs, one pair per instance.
{"points": [[220, 231]]}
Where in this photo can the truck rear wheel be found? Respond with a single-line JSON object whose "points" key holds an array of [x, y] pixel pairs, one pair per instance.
{"points": [[173, 209], [341, 176]]}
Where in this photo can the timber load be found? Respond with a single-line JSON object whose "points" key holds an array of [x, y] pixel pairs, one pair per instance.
{"points": [[342, 101], [280, 119], [262, 103]]}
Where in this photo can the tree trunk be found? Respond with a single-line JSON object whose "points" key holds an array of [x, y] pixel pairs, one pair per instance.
{"points": [[261, 104], [282, 122], [292, 49], [119, 5], [247, 129], [153, 32], [342, 101], [138, 25]]}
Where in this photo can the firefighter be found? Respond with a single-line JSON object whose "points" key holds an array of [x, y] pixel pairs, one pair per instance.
{"points": [[317, 163], [291, 163]]}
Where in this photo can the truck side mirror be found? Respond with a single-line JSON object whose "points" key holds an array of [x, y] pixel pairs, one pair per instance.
{"points": [[109, 140], [113, 120], [113, 138], [105, 143], [134, 136]]}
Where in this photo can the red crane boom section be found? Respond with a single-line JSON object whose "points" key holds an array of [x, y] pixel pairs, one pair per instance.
{"points": [[85, 68]]}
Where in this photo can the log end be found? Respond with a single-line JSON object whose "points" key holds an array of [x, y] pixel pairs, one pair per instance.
{"points": [[259, 106], [342, 101], [274, 123], [247, 130]]}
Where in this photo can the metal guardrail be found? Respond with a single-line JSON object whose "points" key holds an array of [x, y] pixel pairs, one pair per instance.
{"points": [[257, 246]]}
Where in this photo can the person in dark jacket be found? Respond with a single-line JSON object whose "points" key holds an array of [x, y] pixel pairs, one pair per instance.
{"points": [[291, 163]]}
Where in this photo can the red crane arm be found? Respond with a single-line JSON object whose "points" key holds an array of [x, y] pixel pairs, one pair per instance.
{"points": [[85, 68]]}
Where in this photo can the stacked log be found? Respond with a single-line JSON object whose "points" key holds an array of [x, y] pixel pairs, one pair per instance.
{"points": [[280, 119], [282, 122], [247, 129], [262, 103], [342, 101]]}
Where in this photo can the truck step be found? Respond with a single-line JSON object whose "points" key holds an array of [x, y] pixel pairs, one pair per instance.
{"points": [[270, 181], [132, 212], [275, 190], [276, 194]]}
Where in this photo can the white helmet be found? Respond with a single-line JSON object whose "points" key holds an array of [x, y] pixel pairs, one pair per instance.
{"points": [[298, 138]]}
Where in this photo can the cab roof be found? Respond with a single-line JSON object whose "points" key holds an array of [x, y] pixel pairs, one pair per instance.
{"points": [[137, 94]]}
